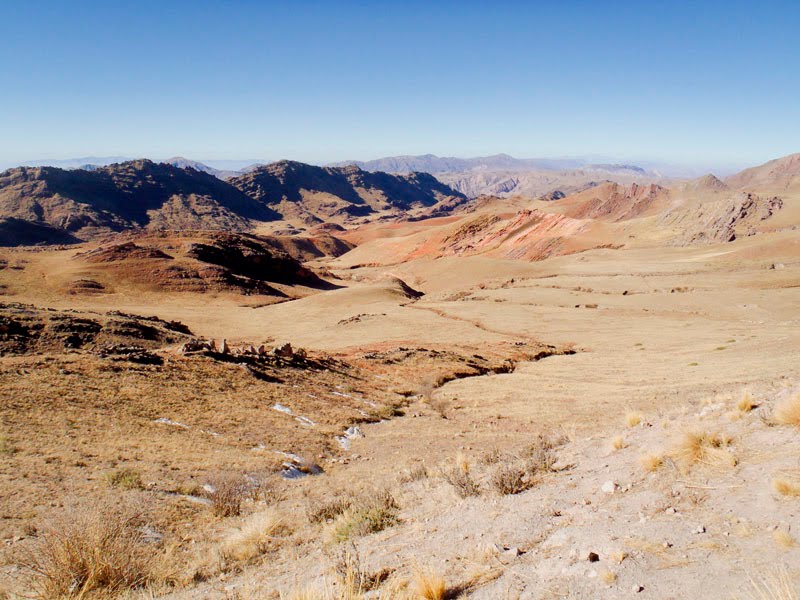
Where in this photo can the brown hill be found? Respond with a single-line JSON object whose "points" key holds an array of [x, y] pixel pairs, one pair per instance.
{"points": [[779, 175], [614, 202], [196, 262], [312, 195]]}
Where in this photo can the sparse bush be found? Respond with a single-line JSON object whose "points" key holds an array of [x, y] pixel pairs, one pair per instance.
{"points": [[371, 515], [458, 475], [511, 479], [415, 473], [127, 479], [539, 456], [228, 493], [321, 511], [492, 456], [97, 548]]}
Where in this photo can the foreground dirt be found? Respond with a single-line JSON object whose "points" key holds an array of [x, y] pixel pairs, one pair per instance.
{"points": [[674, 334]]}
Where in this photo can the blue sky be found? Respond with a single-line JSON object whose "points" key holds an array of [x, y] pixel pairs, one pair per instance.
{"points": [[696, 82]]}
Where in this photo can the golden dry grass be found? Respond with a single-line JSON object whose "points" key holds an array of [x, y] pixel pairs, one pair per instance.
{"points": [[746, 403], [618, 443], [618, 556], [632, 419], [429, 585], [702, 447], [786, 486], [254, 537], [787, 411], [774, 587], [651, 462], [98, 548]]}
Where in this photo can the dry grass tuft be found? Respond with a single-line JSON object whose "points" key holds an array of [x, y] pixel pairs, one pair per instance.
{"points": [[618, 443], [127, 479], [703, 447], [254, 537], [618, 556], [784, 539], [787, 411], [429, 585], [651, 462], [632, 419], [746, 403], [786, 486], [459, 476], [608, 577], [90, 549]]}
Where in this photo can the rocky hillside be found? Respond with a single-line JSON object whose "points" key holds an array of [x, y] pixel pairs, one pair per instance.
{"points": [[313, 195], [74, 205], [128, 195]]}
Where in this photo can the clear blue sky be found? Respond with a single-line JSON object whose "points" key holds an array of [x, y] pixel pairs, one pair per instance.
{"points": [[707, 82]]}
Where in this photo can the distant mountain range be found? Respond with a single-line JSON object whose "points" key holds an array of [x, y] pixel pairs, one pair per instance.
{"points": [[215, 167], [430, 163], [142, 194]]}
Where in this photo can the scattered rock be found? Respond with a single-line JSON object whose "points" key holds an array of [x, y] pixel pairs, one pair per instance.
{"points": [[609, 487], [283, 351]]}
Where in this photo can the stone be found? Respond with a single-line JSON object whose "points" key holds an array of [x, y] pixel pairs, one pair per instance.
{"points": [[609, 487], [593, 557], [283, 351]]}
